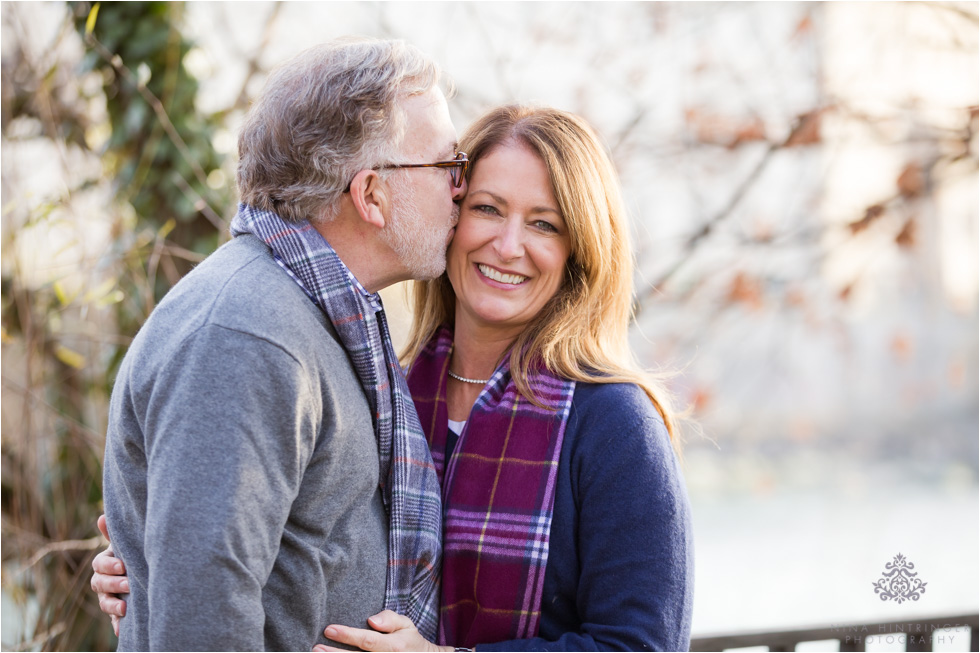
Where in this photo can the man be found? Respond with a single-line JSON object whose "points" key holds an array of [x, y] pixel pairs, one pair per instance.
{"points": [[261, 439]]}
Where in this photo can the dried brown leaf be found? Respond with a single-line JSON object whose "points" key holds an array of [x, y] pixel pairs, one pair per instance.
{"points": [[806, 131], [746, 290], [871, 214], [717, 129], [906, 237], [751, 130], [804, 27], [911, 182]]}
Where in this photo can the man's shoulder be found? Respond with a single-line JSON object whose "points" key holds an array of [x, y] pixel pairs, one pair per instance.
{"points": [[242, 275], [238, 314], [241, 287], [240, 293]]}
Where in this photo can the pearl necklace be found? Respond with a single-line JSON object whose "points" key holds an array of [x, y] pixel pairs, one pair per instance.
{"points": [[465, 380]]}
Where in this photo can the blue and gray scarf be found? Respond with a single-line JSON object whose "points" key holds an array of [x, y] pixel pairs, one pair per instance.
{"points": [[408, 480]]}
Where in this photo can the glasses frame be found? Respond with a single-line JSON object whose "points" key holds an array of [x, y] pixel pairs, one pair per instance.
{"points": [[458, 167]]}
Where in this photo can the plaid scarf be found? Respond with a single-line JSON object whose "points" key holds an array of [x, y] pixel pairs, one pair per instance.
{"points": [[498, 492], [407, 479]]}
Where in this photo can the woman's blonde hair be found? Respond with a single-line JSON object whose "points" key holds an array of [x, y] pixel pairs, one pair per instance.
{"points": [[581, 333]]}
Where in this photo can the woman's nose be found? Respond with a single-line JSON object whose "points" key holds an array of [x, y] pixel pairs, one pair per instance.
{"points": [[509, 242]]}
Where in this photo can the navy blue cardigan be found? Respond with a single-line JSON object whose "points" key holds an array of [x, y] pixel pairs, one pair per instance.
{"points": [[620, 571]]}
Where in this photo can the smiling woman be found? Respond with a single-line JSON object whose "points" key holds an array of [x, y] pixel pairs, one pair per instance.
{"points": [[566, 523]]}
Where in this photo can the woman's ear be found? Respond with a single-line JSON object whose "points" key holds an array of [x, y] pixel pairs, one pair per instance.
{"points": [[370, 198]]}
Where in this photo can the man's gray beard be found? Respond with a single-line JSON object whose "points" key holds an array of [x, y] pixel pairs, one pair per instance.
{"points": [[419, 248]]}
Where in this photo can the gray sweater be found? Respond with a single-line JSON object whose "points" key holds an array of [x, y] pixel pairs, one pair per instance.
{"points": [[241, 468]]}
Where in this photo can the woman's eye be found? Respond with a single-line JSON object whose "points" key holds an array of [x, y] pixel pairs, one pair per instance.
{"points": [[544, 225], [485, 208]]}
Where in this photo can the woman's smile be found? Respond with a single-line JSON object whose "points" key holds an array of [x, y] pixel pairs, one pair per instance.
{"points": [[502, 278]]}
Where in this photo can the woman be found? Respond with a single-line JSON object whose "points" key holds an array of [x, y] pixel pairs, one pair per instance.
{"points": [[566, 525]]}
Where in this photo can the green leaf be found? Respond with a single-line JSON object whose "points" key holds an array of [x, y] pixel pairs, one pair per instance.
{"points": [[69, 357], [62, 293], [90, 21], [99, 291], [114, 297], [167, 227]]}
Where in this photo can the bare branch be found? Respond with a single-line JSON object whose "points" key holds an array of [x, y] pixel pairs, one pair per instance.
{"points": [[48, 634], [253, 59], [92, 436], [186, 254], [65, 545], [804, 132], [953, 9], [692, 241], [200, 203]]}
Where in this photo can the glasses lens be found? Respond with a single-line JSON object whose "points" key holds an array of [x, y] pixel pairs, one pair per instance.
{"points": [[459, 169]]}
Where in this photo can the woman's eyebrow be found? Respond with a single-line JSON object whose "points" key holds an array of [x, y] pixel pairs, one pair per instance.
{"points": [[493, 196], [498, 199]]}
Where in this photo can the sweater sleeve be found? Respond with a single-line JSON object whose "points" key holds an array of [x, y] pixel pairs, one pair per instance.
{"points": [[228, 431], [634, 560]]}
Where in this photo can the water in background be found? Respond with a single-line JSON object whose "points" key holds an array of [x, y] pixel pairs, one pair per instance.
{"points": [[798, 540]]}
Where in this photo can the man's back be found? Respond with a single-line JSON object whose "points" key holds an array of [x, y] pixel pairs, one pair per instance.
{"points": [[241, 471]]}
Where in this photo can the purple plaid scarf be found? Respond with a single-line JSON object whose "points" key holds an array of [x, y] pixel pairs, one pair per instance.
{"points": [[408, 479], [498, 492]]}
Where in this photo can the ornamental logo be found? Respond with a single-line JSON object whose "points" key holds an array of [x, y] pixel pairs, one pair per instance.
{"points": [[898, 582]]}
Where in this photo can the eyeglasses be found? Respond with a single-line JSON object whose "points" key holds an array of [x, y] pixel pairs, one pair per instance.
{"points": [[457, 168]]}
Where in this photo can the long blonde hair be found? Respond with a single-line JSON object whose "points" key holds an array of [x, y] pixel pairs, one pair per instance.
{"points": [[581, 333]]}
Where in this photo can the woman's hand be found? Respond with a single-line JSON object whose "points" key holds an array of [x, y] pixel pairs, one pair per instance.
{"points": [[394, 633], [109, 581]]}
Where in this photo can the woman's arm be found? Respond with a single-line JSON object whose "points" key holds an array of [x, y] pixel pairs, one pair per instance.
{"points": [[620, 573], [109, 580]]}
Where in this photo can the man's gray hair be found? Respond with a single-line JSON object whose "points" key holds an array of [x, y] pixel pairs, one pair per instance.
{"points": [[323, 116]]}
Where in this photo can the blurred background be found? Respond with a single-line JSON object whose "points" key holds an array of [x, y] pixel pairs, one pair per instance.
{"points": [[803, 184]]}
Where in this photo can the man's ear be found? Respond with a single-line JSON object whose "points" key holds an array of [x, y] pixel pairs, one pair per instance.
{"points": [[370, 198]]}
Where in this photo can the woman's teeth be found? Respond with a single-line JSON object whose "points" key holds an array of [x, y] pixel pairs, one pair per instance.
{"points": [[490, 273]]}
